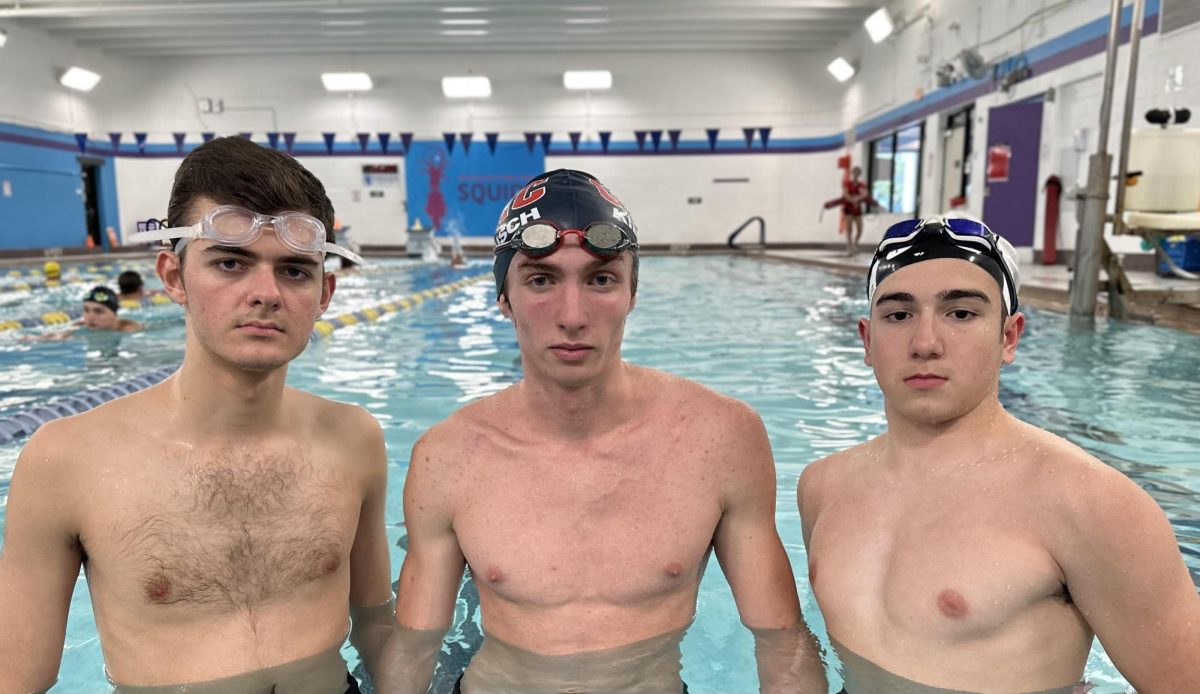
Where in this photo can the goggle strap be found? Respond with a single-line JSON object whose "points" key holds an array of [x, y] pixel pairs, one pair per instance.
{"points": [[164, 234]]}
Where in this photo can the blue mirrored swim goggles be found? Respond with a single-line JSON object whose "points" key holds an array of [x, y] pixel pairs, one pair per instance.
{"points": [[236, 226], [968, 235]]}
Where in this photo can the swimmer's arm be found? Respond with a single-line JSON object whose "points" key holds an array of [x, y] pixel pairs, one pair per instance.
{"points": [[1128, 579], [371, 607], [39, 563], [429, 577], [757, 568]]}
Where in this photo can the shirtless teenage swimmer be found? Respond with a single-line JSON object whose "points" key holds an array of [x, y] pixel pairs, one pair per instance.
{"points": [[965, 550], [228, 525], [587, 497]]}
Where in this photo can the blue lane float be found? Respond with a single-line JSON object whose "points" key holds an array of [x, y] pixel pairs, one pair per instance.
{"points": [[27, 421]]}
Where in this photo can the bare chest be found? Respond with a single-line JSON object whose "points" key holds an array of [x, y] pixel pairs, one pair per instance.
{"points": [[225, 530], [951, 569], [608, 529]]}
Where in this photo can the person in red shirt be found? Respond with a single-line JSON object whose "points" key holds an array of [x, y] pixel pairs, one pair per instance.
{"points": [[854, 199]]}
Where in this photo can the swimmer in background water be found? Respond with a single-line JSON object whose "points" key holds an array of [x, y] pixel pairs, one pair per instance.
{"points": [[131, 285], [967, 551], [587, 497], [230, 526], [100, 308]]}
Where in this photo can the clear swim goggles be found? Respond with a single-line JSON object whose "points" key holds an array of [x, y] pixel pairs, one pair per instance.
{"points": [[539, 240], [236, 226], [913, 240]]}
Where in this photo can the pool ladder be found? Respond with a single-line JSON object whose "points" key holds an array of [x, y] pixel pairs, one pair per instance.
{"points": [[762, 233]]}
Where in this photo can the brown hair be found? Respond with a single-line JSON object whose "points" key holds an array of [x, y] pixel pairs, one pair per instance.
{"points": [[235, 171]]}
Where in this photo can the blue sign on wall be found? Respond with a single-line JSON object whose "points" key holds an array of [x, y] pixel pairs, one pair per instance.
{"points": [[462, 193]]}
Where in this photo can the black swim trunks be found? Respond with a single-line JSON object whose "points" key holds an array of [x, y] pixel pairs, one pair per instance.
{"points": [[351, 685], [458, 687]]}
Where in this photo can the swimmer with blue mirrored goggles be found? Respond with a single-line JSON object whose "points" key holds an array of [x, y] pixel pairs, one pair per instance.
{"points": [[236, 226], [914, 240]]}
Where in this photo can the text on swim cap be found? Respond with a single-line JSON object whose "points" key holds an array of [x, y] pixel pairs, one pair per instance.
{"points": [[505, 231]]}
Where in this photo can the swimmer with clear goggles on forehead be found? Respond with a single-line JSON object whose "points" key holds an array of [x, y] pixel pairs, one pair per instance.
{"points": [[236, 226]]}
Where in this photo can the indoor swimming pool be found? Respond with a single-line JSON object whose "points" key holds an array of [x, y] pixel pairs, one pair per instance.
{"points": [[780, 336]]}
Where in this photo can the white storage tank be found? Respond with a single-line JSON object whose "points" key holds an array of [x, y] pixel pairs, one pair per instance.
{"points": [[1170, 164]]}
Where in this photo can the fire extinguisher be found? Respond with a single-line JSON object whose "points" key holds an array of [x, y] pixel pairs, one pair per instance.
{"points": [[1050, 237]]}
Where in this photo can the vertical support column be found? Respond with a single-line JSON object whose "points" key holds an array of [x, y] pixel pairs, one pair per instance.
{"points": [[1090, 238]]}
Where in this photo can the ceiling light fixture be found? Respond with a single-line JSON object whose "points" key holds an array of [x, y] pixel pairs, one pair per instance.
{"points": [[464, 22], [346, 81], [879, 25], [464, 32], [470, 87], [587, 79], [79, 79], [841, 69]]}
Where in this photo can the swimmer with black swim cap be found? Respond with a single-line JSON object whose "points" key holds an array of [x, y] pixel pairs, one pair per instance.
{"points": [[993, 552]]}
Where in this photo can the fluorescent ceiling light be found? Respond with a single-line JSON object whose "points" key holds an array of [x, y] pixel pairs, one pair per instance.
{"points": [[585, 8], [466, 87], [79, 79], [343, 33], [587, 79], [3, 38], [454, 10], [346, 81], [343, 10], [590, 32], [841, 70], [587, 20], [464, 22], [879, 25], [464, 32], [344, 22]]}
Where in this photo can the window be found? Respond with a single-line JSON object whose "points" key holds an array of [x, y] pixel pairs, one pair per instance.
{"points": [[895, 170]]}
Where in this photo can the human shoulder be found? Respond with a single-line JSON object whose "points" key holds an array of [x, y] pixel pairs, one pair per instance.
{"points": [[824, 477], [675, 394]]}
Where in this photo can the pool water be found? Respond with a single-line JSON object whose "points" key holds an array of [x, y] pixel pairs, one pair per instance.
{"points": [[779, 336]]}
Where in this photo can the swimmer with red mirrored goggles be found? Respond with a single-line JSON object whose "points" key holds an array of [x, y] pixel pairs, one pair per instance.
{"points": [[558, 204]]}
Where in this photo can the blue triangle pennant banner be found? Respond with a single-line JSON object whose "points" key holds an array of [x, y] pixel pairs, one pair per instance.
{"points": [[492, 138], [81, 140], [140, 139], [640, 135], [673, 135], [384, 138], [449, 138], [364, 141], [289, 141], [574, 141], [245, 136], [406, 140], [530, 139], [273, 140], [764, 134], [655, 139], [605, 135], [546, 141], [748, 133], [115, 138], [712, 138], [180, 137], [207, 137], [329, 137], [466, 140]]}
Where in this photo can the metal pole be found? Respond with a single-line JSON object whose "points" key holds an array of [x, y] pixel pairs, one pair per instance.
{"points": [[1135, 40], [1086, 264]]}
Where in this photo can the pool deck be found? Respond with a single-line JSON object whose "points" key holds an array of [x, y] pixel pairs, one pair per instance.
{"points": [[1042, 286]]}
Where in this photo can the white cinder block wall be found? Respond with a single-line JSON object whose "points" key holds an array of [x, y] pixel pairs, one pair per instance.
{"points": [[791, 92]]}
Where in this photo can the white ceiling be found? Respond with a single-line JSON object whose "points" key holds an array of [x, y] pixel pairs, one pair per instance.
{"points": [[159, 28]]}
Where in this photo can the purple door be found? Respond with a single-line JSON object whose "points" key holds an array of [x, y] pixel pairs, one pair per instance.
{"points": [[1010, 196]]}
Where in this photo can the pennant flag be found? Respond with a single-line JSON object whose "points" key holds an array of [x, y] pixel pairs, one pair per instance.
{"points": [[530, 138], [604, 137], [674, 135], [81, 140], [141, 141], [546, 141], [207, 136], [466, 140], [116, 141], [449, 138], [364, 140], [574, 141], [712, 138], [329, 141], [641, 138], [406, 140], [748, 133], [180, 137], [655, 139], [491, 140], [273, 140], [245, 136], [289, 139], [384, 138], [764, 134]]}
